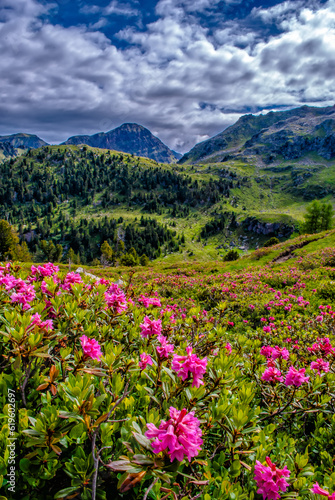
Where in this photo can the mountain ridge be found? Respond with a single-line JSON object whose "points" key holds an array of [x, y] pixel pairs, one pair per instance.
{"points": [[130, 138], [273, 136], [12, 145]]}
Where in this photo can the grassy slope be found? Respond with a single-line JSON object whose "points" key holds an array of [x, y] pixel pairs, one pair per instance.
{"points": [[270, 197]]}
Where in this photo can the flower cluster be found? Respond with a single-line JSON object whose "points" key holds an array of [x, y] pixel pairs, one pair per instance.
{"points": [[180, 435], [36, 320], [296, 377], [270, 479], [145, 360], [116, 300], [150, 327], [164, 349], [90, 347], [190, 365], [320, 365]]}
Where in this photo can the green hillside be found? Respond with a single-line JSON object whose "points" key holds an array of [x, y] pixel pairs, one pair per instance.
{"points": [[78, 197]]}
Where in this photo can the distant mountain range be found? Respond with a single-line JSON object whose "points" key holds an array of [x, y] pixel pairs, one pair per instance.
{"points": [[129, 138], [262, 139], [273, 137]]}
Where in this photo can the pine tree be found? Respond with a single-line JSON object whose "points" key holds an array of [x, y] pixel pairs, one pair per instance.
{"points": [[8, 238], [318, 217]]}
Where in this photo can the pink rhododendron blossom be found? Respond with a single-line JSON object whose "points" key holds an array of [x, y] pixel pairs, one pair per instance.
{"points": [[190, 365], [90, 347], [150, 327], [270, 479], [44, 325], [116, 301], [24, 294], [164, 349], [145, 360], [320, 491], [272, 374], [46, 270], [296, 377], [266, 329], [150, 301], [266, 351], [320, 365], [228, 348], [180, 435], [280, 352], [70, 279]]}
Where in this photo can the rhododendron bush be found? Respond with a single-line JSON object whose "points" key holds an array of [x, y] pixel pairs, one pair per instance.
{"points": [[177, 385]]}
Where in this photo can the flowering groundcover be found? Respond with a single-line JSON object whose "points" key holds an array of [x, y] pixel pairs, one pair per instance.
{"points": [[177, 386]]}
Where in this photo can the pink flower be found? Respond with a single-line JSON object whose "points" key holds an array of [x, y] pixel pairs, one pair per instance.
{"points": [[150, 327], [270, 479], [116, 300], [24, 294], [320, 491], [70, 279], [164, 349], [44, 325], [266, 351], [190, 365], [145, 360], [266, 329], [46, 270], [319, 319], [280, 352], [228, 347], [272, 374], [91, 347], [320, 366], [295, 377], [149, 301], [181, 435]]}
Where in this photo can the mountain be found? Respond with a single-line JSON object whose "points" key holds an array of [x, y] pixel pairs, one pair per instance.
{"points": [[12, 145], [23, 141], [129, 138], [273, 137]]}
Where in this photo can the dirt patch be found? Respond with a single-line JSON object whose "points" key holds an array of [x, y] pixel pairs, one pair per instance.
{"points": [[287, 254]]}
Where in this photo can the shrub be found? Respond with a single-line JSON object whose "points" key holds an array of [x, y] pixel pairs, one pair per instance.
{"points": [[271, 242], [231, 255]]}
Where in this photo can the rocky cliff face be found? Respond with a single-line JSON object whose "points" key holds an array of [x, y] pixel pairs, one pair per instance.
{"points": [[275, 136], [280, 229], [129, 138]]}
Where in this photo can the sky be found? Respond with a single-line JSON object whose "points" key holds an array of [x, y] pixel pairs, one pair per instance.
{"points": [[185, 69]]}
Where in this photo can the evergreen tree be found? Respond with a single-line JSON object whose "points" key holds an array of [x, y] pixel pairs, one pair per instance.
{"points": [[326, 216], [318, 217], [8, 238], [107, 254], [21, 253]]}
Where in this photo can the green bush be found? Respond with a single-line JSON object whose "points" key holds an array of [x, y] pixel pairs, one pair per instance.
{"points": [[271, 242], [231, 255]]}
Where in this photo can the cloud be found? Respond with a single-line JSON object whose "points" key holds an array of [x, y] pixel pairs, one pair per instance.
{"points": [[176, 77], [121, 9]]}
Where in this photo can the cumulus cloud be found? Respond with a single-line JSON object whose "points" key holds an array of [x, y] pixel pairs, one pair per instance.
{"points": [[176, 77]]}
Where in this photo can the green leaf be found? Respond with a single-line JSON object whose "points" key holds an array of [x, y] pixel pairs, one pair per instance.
{"points": [[65, 492]]}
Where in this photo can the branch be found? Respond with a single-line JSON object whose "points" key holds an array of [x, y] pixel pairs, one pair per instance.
{"points": [[149, 489], [95, 454]]}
